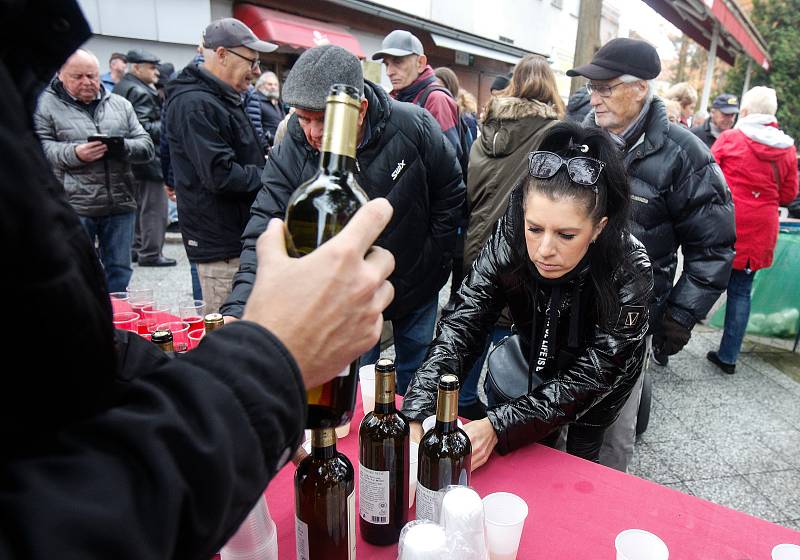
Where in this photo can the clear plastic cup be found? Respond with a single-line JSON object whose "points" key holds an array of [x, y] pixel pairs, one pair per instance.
{"points": [[192, 311], [413, 456], [255, 539], [422, 540], [786, 552], [126, 321], [636, 544], [156, 314], [180, 334], [430, 422], [505, 515], [195, 337], [366, 379]]}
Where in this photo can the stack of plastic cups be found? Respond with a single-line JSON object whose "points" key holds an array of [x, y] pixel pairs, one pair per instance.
{"points": [[462, 517], [256, 538], [422, 540]]}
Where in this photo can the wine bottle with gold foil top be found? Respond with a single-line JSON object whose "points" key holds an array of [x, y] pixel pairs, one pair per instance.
{"points": [[212, 322], [445, 453], [163, 339], [383, 447], [325, 502], [317, 211]]}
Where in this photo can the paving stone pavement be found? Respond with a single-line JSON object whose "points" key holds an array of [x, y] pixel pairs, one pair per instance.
{"points": [[730, 439]]}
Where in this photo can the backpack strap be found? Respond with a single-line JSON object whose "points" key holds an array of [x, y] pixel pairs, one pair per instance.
{"points": [[423, 98]]}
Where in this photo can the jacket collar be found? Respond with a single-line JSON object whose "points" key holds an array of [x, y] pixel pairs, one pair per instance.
{"points": [[655, 130], [137, 81], [194, 77], [410, 92]]}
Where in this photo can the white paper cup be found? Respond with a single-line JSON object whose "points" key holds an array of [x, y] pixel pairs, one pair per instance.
{"points": [[504, 514], [786, 552], [366, 379], [430, 422], [636, 544], [413, 456]]}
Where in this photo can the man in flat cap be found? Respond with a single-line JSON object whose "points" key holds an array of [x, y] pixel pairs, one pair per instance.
{"points": [[138, 87], [724, 110], [215, 154], [401, 155], [679, 199]]}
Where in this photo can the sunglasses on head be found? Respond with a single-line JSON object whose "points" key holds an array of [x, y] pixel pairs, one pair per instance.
{"points": [[581, 169]]}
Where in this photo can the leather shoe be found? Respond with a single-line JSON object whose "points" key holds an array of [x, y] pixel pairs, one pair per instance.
{"points": [[158, 261], [713, 357]]}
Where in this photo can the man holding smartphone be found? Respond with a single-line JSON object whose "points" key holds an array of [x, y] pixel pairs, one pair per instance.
{"points": [[95, 172]]}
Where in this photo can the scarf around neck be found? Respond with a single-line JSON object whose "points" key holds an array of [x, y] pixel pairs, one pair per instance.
{"points": [[630, 136]]}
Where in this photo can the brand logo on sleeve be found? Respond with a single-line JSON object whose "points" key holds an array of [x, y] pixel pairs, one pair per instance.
{"points": [[630, 316], [398, 169]]}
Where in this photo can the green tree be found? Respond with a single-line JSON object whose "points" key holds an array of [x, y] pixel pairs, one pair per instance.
{"points": [[778, 21]]}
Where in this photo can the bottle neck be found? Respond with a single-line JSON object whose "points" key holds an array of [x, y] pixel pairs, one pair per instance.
{"points": [[447, 411], [336, 164], [323, 443], [384, 392]]}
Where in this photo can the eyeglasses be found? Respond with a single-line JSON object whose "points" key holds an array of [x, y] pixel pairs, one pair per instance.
{"points": [[602, 91], [581, 169], [255, 63]]}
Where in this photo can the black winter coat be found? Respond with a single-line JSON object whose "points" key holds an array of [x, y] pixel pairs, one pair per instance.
{"points": [[406, 159], [680, 199], [590, 381], [216, 161], [147, 104], [177, 454], [703, 132]]}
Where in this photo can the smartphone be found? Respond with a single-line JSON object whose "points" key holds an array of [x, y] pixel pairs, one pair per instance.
{"points": [[116, 144]]}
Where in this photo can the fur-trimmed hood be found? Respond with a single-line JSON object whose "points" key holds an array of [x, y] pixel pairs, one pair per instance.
{"points": [[511, 121]]}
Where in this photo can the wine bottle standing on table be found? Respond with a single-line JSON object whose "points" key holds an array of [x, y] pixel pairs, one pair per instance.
{"points": [[325, 502], [445, 453], [317, 211], [213, 321], [383, 447], [163, 339]]}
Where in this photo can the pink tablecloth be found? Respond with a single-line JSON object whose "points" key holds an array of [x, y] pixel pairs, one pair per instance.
{"points": [[576, 508]]}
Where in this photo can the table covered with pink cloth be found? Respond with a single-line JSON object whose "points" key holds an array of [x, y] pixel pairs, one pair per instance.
{"points": [[576, 509]]}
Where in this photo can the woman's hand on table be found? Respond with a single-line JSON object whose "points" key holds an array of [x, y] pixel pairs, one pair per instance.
{"points": [[483, 439], [416, 431]]}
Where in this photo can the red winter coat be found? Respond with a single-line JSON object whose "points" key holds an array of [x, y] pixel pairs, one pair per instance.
{"points": [[760, 165]]}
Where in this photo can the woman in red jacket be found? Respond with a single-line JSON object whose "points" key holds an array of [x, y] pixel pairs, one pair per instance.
{"points": [[759, 162]]}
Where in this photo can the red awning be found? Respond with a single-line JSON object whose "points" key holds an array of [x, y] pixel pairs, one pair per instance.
{"points": [[294, 31], [696, 19]]}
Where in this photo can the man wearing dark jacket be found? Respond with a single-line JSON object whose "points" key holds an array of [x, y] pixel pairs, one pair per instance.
{"points": [[215, 153], [680, 199], [402, 155], [138, 87], [724, 110], [178, 452]]}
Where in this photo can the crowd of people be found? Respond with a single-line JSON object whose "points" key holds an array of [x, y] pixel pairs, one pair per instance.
{"points": [[560, 228]]}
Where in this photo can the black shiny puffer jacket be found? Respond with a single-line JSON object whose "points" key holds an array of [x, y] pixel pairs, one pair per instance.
{"points": [[597, 366]]}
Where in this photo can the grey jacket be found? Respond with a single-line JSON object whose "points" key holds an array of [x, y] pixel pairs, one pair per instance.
{"points": [[105, 186]]}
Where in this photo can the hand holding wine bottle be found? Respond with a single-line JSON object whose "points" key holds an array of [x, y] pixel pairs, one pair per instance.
{"points": [[325, 307]]}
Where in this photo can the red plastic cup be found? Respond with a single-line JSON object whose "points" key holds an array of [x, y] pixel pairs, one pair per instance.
{"points": [[195, 337], [192, 311], [156, 314], [126, 321]]}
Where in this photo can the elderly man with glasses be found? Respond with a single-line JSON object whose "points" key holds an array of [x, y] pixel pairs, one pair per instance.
{"points": [[216, 156], [680, 200]]}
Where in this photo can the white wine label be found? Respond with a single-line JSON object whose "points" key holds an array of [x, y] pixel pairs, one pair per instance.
{"points": [[301, 539], [373, 500], [351, 525], [428, 503]]}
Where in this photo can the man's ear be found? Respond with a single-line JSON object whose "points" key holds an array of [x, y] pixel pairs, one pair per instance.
{"points": [[422, 62], [362, 111]]}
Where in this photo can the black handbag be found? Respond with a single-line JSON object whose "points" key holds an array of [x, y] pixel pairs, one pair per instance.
{"points": [[509, 374]]}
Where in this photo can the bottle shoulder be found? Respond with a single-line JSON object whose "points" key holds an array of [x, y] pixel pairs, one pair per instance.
{"points": [[384, 425], [455, 443]]}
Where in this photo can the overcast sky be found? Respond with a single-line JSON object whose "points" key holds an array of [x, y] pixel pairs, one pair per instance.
{"points": [[638, 16]]}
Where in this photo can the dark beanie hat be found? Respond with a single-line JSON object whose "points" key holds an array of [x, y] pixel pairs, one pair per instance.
{"points": [[317, 69]]}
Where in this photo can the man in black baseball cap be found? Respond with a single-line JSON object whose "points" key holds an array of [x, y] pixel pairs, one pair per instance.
{"points": [[724, 110], [679, 199]]}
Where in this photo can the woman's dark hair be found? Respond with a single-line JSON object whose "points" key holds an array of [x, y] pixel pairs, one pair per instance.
{"points": [[611, 200]]}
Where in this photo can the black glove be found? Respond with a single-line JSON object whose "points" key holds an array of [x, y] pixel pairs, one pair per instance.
{"points": [[671, 336]]}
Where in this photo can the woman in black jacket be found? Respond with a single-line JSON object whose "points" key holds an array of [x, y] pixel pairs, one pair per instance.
{"points": [[577, 284]]}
